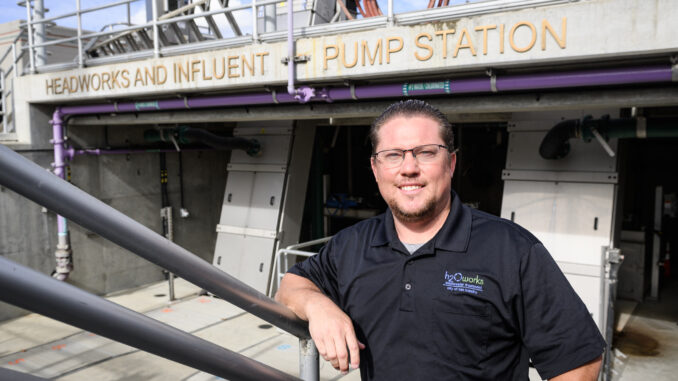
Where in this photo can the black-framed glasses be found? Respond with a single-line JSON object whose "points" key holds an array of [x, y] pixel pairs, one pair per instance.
{"points": [[424, 154]]}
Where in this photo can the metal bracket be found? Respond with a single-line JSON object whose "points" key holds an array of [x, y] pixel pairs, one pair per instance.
{"points": [[297, 59], [614, 255], [493, 80], [641, 127], [602, 142]]}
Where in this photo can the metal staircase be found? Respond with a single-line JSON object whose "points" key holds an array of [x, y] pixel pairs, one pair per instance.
{"points": [[178, 31]]}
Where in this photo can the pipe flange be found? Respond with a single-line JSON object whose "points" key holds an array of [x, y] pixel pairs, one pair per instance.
{"points": [[493, 80]]}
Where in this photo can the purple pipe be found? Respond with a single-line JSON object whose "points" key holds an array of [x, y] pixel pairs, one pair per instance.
{"points": [[59, 160], [621, 76], [586, 78], [64, 264]]}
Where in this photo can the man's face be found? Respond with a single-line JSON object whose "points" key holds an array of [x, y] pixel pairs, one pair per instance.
{"points": [[414, 191]]}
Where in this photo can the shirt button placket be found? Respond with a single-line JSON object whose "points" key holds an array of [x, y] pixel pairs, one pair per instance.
{"points": [[406, 301]]}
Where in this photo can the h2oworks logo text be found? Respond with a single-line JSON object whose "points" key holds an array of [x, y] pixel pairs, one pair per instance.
{"points": [[464, 283]]}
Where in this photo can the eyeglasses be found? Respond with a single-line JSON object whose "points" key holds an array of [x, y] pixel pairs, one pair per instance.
{"points": [[428, 153]]}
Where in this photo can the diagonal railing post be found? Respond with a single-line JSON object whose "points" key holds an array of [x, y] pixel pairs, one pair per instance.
{"points": [[30, 180], [31, 290]]}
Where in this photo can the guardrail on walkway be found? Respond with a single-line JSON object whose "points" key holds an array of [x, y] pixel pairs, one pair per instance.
{"points": [[39, 293]]}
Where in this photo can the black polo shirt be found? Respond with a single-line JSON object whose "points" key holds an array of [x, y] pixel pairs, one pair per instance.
{"points": [[474, 303]]}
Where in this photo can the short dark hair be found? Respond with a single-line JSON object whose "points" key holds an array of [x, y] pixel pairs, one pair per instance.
{"points": [[409, 108]]}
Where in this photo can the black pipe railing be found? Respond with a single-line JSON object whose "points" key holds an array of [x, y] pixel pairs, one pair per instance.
{"points": [[30, 180], [58, 300]]}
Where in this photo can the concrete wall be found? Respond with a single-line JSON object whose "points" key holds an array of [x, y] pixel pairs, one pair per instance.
{"points": [[129, 183]]}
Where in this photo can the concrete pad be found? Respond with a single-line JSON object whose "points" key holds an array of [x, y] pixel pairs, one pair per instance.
{"points": [[144, 299], [28, 331]]}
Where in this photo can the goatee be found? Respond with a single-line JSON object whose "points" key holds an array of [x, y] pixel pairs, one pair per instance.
{"points": [[426, 211]]}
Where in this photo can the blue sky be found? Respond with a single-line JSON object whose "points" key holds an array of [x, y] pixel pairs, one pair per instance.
{"points": [[10, 11]]}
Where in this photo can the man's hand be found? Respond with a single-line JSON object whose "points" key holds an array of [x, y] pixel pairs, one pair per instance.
{"points": [[331, 329]]}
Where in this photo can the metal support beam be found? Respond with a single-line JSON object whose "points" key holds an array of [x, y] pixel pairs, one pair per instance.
{"points": [[30, 180], [39, 293]]}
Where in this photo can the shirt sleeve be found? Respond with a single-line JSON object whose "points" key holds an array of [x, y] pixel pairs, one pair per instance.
{"points": [[557, 329], [321, 270]]}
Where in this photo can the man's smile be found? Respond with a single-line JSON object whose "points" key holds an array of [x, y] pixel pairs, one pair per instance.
{"points": [[410, 187]]}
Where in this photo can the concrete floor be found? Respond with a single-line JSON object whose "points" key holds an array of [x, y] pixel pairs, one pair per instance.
{"points": [[43, 347], [649, 341]]}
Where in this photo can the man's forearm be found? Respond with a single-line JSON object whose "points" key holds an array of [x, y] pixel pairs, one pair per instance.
{"points": [[297, 292]]}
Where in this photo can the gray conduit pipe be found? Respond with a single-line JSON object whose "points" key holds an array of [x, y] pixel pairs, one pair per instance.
{"points": [[556, 143], [186, 134], [304, 93]]}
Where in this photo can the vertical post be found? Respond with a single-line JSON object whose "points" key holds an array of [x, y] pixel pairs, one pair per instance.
{"points": [[270, 18], [309, 369], [29, 31], [390, 12], [255, 32], [80, 63], [14, 67], [656, 242], [4, 106], [156, 44], [129, 17], [40, 32], [290, 48]]}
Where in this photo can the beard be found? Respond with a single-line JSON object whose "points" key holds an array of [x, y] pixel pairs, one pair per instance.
{"points": [[428, 210]]}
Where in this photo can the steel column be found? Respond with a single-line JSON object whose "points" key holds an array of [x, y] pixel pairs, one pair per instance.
{"points": [[29, 31]]}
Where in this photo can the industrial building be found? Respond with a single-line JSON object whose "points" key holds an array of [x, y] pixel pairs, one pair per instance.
{"points": [[237, 131]]}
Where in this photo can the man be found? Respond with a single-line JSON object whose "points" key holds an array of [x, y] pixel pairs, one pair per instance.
{"points": [[432, 289]]}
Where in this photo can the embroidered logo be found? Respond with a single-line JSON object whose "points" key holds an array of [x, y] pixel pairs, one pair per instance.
{"points": [[463, 283]]}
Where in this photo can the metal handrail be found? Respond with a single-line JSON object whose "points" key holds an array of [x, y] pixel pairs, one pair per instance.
{"points": [[407, 18], [4, 75], [87, 10], [47, 296], [281, 267], [30, 180]]}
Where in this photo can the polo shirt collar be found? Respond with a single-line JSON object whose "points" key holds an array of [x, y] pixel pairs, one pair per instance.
{"points": [[453, 236]]}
